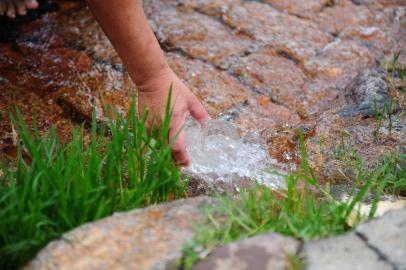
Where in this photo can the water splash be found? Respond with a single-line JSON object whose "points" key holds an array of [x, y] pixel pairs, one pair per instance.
{"points": [[219, 155]]}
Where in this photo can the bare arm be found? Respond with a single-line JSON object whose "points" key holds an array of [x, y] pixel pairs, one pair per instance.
{"points": [[125, 24]]}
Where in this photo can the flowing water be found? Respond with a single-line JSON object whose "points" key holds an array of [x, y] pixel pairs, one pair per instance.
{"points": [[219, 155]]}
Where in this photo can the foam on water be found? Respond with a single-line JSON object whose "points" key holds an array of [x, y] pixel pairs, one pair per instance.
{"points": [[219, 154]]}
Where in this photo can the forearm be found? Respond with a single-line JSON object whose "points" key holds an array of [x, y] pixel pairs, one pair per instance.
{"points": [[125, 24]]}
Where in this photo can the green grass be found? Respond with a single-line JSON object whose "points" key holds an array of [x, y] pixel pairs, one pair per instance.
{"points": [[54, 187], [305, 211], [389, 171], [395, 69], [392, 172]]}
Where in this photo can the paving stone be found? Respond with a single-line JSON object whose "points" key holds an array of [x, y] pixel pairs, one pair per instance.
{"points": [[209, 7], [197, 35], [93, 41], [300, 39], [370, 92], [342, 14], [343, 252], [340, 61], [215, 88], [78, 70], [301, 8], [150, 238], [380, 3], [270, 74], [321, 94], [268, 251], [388, 236], [261, 113]]}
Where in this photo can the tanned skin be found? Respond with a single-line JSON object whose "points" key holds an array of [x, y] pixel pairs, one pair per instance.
{"points": [[126, 25]]}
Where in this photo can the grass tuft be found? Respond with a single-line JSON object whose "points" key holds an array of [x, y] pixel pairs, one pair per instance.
{"points": [[54, 187], [305, 211]]}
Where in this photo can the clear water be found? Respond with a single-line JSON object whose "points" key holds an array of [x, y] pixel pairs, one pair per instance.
{"points": [[219, 155]]}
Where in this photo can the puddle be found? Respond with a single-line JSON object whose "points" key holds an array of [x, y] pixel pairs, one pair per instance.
{"points": [[220, 156]]}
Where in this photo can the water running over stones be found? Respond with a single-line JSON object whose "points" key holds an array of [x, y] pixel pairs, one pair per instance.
{"points": [[224, 160]]}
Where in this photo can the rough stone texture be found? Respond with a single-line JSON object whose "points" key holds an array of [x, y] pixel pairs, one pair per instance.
{"points": [[262, 113], [300, 40], [150, 238], [340, 61], [218, 90], [387, 235], [268, 251], [343, 13], [348, 252], [59, 62], [378, 244], [47, 113], [214, 8], [197, 35], [300, 8], [369, 92], [268, 73], [268, 66]]}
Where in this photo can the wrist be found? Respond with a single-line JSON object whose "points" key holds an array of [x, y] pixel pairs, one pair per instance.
{"points": [[149, 81]]}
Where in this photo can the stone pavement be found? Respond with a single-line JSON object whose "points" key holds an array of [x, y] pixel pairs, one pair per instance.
{"points": [[378, 244], [150, 238], [153, 238], [269, 66]]}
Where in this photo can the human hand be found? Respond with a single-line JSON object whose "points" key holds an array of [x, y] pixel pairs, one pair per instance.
{"points": [[153, 94]]}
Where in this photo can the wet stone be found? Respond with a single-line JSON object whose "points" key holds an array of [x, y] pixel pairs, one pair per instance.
{"points": [[215, 88], [340, 61], [150, 238], [387, 236], [261, 113], [45, 72], [370, 93], [47, 113], [301, 8], [268, 252], [399, 23], [380, 3], [343, 252], [298, 38], [322, 94], [268, 73], [197, 35], [78, 69], [342, 14], [209, 7], [93, 41]]}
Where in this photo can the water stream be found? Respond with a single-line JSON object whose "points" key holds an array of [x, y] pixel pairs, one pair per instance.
{"points": [[219, 155]]}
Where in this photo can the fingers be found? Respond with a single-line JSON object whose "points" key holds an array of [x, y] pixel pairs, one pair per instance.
{"points": [[21, 10], [3, 7], [179, 153], [197, 110], [11, 11], [31, 4], [13, 7]]}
